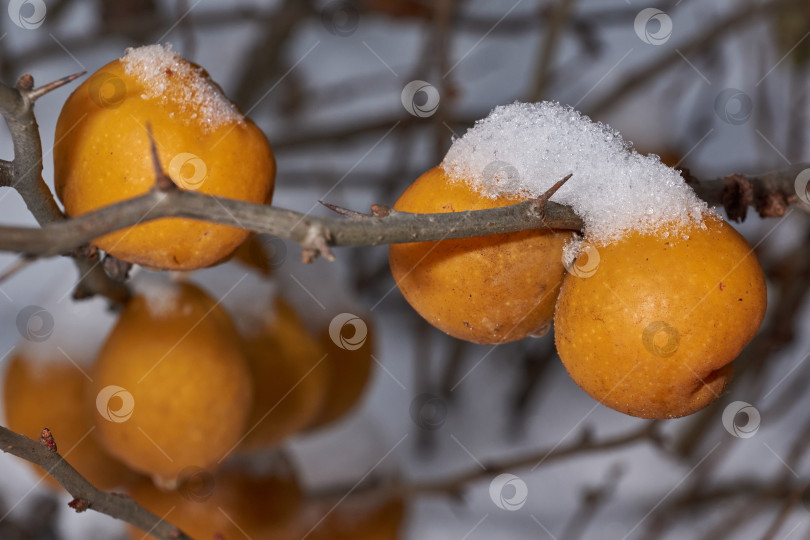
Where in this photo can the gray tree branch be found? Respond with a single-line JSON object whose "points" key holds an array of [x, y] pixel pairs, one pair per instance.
{"points": [[85, 496], [769, 193]]}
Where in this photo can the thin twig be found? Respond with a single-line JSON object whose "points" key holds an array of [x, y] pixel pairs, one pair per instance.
{"points": [[36, 93], [85, 495], [16, 266]]}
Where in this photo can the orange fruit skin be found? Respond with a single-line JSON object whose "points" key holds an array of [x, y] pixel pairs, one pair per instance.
{"points": [[348, 375], [55, 395], [189, 380], [238, 506], [289, 379], [488, 289], [652, 333], [102, 156]]}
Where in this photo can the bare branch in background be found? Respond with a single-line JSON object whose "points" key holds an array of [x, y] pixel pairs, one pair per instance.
{"points": [[455, 484], [560, 15], [748, 14]]}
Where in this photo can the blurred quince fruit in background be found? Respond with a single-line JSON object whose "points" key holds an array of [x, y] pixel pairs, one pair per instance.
{"points": [[172, 384], [289, 377], [349, 367], [357, 518], [232, 503], [55, 394]]}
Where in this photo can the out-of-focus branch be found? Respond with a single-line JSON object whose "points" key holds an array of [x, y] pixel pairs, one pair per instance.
{"points": [[85, 495], [345, 135], [263, 63], [559, 18], [454, 485], [648, 72], [592, 500]]}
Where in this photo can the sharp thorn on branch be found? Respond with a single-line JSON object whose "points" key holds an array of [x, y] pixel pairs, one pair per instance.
{"points": [[553, 189], [34, 94], [163, 181], [540, 202], [344, 211]]}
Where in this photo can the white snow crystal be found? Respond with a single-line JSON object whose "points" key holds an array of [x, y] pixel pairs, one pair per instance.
{"points": [[571, 250], [522, 149], [168, 78]]}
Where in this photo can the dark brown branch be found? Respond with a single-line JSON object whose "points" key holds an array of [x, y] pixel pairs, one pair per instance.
{"points": [[85, 496]]}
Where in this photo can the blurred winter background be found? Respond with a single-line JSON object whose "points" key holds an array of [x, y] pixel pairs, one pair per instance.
{"points": [[718, 87]]}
